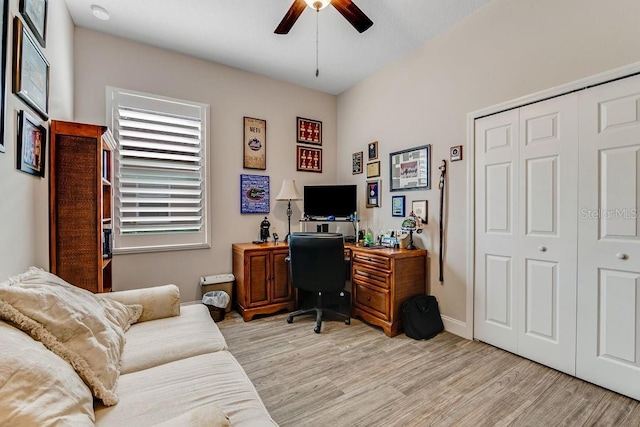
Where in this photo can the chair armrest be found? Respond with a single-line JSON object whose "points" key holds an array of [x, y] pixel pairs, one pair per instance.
{"points": [[157, 302]]}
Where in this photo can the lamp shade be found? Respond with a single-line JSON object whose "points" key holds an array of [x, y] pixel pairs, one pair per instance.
{"points": [[288, 191]]}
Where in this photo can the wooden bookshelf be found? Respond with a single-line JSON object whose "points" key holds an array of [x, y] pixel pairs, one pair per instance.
{"points": [[80, 204]]}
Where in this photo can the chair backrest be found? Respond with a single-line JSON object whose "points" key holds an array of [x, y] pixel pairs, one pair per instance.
{"points": [[317, 261]]}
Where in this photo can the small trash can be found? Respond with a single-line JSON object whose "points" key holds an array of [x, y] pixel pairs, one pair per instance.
{"points": [[216, 302]]}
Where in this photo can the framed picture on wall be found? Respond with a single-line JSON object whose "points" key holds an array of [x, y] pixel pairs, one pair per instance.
{"points": [[373, 150], [308, 159], [309, 131], [32, 140], [420, 208], [356, 164], [34, 13], [410, 169], [397, 206], [254, 194], [373, 169], [255, 144], [30, 71], [373, 194], [4, 8]]}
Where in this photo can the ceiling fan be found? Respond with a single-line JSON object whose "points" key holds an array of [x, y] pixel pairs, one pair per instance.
{"points": [[350, 11]]}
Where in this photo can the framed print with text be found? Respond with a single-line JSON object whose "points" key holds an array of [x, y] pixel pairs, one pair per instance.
{"points": [[30, 71], [255, 144], [373, 169], [410, 169], [356, 163], [32, 139], [420, 208], [397, 205], [309, 131]]}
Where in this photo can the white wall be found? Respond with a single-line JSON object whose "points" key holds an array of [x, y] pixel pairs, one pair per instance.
{"points": [[508, 49], [102, 60], [24, 208]]}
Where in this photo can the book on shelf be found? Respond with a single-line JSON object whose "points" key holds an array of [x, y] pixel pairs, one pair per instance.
{"points": [[107, 240]]}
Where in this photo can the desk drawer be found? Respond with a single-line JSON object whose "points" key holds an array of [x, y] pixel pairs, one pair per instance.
{"points": [[374, 301], [371, 276], [371, 259]]}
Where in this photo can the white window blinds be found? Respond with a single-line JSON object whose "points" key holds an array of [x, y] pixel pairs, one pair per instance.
{"points": [[160, 172]]}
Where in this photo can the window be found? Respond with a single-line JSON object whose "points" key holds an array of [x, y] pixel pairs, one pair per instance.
{"points": [[160, 172]]}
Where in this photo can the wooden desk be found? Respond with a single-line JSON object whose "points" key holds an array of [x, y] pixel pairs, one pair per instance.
{"points": [[381, 280]]}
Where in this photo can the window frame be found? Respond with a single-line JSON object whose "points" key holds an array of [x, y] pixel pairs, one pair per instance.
{"points": [[159, 242]]}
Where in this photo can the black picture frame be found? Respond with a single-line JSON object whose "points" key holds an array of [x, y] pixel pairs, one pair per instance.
{"points": [[30, 71], [410, 169], [398, 206], [372, 150], [4, 10], [31, 145], [34, 13]]}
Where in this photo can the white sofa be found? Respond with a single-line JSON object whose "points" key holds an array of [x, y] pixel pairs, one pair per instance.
{"points": [[175, 368]]}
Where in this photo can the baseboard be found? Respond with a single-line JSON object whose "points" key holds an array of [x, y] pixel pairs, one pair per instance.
{"points": [[456, 327]]}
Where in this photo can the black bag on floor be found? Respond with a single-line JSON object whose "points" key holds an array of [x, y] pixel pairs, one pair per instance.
{"points": [[421, 317]]}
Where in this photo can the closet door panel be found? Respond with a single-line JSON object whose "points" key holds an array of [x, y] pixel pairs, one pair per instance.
{"points": [[547, 244], [496, 230], [609, 237]]}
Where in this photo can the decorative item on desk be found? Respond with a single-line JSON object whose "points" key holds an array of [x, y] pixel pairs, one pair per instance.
{"points": [[288, 192], [412, 224], [264, 230]]}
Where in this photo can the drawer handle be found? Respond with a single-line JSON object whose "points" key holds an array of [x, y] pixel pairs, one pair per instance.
{"points": [[368, 298], [542, 248], [622, 256]]}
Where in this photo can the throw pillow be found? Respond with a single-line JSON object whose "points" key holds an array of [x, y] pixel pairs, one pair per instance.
{"points": [[86, 331], [38, 388]]}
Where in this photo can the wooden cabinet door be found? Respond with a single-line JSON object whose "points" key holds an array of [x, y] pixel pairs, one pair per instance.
{"points": [[280, 278], [257, 267]]}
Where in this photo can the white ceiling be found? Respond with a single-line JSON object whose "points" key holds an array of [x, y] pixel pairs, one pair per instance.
{"points": [[239, 33]]}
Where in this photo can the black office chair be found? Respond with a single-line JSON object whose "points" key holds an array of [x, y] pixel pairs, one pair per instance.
{"points": [[317, 264]]}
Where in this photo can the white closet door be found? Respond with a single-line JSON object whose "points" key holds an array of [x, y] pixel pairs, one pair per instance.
{"points": [[495, 298], [609, 237], [547, 251]]}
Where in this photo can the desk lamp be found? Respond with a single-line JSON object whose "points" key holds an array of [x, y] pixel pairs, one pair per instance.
{"points": [[288, 192]]}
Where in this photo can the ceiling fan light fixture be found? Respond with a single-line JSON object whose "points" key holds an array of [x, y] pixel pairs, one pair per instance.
{"points": [[100, 12], [317, 4]]}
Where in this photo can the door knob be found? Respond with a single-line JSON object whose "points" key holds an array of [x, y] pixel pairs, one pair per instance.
{"points": [[622, 256], [542, 248]]}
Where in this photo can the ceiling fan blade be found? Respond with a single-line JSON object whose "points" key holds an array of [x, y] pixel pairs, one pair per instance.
{"points": [[291, 17], [353, 14]]}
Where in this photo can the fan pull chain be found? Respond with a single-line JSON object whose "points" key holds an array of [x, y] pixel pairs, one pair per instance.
{"points": [[317, 33]]}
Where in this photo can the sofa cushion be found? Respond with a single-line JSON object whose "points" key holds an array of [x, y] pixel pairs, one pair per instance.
{"points": [[204, 416], [163, 392], [154, 343], [38, 388], [85, 330]]}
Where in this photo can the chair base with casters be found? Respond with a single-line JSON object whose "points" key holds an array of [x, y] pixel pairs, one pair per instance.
{"points": [[319, 311]]}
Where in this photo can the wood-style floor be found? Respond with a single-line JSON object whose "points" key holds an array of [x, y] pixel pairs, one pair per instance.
{"points": [[357, 376]]}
